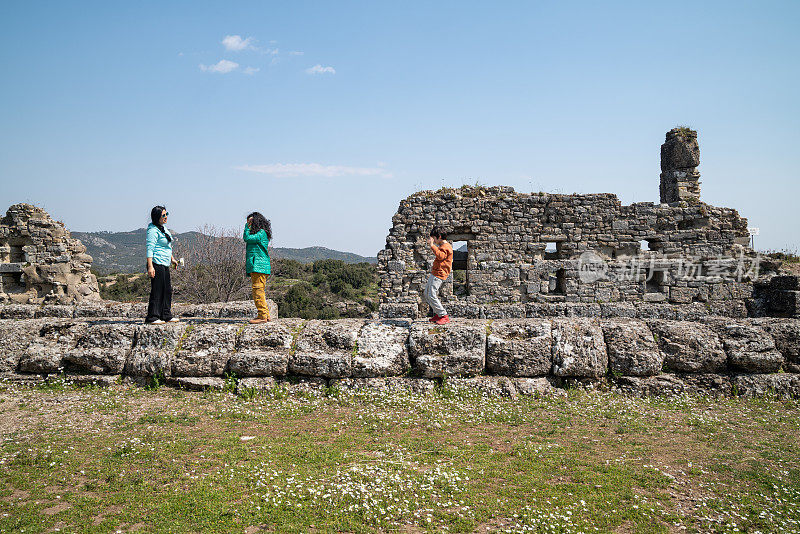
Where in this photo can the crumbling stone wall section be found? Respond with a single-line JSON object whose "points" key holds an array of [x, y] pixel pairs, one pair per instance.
{"points": [[539, 254], [680, 156], [40, 262]]}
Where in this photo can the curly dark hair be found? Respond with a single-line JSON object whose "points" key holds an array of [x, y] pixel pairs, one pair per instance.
{"points": [[259, 222], [438, 233]]}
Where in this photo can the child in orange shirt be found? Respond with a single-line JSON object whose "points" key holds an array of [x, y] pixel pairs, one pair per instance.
{"points": [[442, 266]]}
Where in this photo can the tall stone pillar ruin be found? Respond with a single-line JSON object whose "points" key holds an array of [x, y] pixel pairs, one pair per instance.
{"points": [[680, 156]]}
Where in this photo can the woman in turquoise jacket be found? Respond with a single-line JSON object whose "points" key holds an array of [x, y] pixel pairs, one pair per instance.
{"points": [[257, 234], [159, 260]]}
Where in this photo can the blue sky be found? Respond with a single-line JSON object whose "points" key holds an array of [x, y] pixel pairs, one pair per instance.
{"points": [[324, 115]]}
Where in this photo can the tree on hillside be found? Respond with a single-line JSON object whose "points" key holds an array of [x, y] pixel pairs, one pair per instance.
{"points": [[215, 266]]}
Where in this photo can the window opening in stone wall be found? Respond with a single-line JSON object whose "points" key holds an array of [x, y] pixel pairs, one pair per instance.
{"points": [[558, 283], [17, 255], [460, 268], [648, 245], [551, 250], [13, 283]]}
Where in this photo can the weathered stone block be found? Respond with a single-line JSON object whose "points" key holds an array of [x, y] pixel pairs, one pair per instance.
{"points": [[261, 383], [398, 310], [204, 349], [786, 334], [689, 347], [15, 337], [325, 349], [631, 348], [382, 350], [415, 386], [664, 385], [263, 350], [196, 383], [782, 385], [578, 348], [46, 352], [454, 349], [154, 350], [102, 349], [245, 309], [750, 349], [519, 348]]}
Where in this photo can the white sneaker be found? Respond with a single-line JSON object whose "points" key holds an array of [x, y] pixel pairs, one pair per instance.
{"points": [[174, 320], [157, 321]]}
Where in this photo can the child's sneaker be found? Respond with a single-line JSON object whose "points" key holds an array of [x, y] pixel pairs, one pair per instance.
{"points": [[434, 318], [157, 321], [443, 320]]}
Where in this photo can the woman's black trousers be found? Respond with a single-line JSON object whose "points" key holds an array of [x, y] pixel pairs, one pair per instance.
{"points": [[160, 304]]}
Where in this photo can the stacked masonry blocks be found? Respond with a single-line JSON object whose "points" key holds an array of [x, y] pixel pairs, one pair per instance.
{"points": [[723, 355]]}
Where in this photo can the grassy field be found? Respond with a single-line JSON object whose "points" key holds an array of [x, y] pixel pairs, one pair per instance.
{"points": [[162, 460]]}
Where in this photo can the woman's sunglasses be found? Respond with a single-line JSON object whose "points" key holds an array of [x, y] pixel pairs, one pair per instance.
{"points": [[165, 214]]}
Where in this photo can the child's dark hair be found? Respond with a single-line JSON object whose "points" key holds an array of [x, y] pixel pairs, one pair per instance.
{"points": [[438, 233], [259, 222], [155, 217]]}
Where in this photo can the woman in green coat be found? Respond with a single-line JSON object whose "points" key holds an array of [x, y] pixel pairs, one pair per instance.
{"points": [[257, 234]]}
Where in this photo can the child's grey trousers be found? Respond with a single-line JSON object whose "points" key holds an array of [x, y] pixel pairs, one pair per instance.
{"points": [[432, 295]]}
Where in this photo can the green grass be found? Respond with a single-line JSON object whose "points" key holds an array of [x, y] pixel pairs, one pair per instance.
{"points": [[163, 460]]}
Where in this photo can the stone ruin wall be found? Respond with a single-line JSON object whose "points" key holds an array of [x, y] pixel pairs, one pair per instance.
{"points": [[648, 250], [40, 262]]}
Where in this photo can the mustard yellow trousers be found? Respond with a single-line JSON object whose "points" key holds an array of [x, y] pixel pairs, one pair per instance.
{"points": [[259, 282]]}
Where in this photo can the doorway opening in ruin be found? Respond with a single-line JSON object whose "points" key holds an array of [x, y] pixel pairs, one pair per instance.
{"points": [[558, 283], [460, 268], [13, 283], [11, 253], [654, 279]]}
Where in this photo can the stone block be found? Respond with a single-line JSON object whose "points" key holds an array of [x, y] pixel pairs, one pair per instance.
{"points": [[46, 351], [204, 349], [197, 383], [750, 349], [519, 348], [264, 349], [102, 349], [154, 350], [781, 385], [631, 348], [786, 334], [414, 386], [15, 337], [245, 309], [325, 349], [659, 385], [382, 350], [578, 348], [398, 310], [451, 350], [689, 347]]}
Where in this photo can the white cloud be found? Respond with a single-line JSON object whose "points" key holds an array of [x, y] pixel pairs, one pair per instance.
{"points": [[288, 170], [251, 70], [295, 53], [319, 69], [223, 66], [236, 43]]}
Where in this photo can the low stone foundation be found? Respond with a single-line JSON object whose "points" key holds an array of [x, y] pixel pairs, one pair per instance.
{"points": [[717, 355]]}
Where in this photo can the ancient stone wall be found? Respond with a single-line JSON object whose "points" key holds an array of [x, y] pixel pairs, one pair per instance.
{"points": [[529, 255], [516, 356], [40, 262]]}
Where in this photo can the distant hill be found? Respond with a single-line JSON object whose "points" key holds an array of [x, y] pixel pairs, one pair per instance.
{"points": [[125, 251]]}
